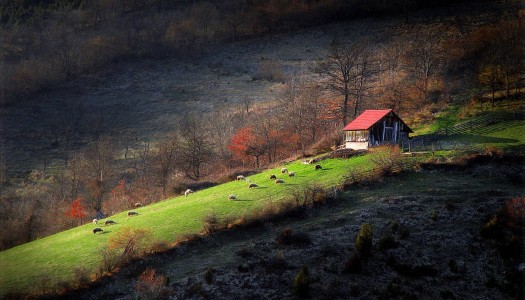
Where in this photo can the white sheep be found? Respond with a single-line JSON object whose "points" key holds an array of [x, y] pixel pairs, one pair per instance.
{"points": [[291, 174], [232, 197], [253, 185], [138, 204], [95, 221], [284, 170], [279, 181], [240, 177], [187, 192]]}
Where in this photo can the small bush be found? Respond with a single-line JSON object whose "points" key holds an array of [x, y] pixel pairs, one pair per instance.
{"points": [[276, 263], [450, 206], [271, 71], [109, 260], [301, 285], [208, 275], [453, 266], [81, 277], [387, 242], [514, 212], [211, 224], [404, 232], [363, 243], [446, 294], [132, 241], [491, 229], [244, 253], [434, 215], [287, 237], [353, 264], [151, 285], [387, 158], [309, 195], [395, 225], [158, 247]]}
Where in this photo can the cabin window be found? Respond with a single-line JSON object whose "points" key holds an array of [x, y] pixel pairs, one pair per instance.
{"points": [[357, 136]]}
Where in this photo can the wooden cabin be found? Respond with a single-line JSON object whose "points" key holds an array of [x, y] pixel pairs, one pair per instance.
{"points": [[375, 128]]}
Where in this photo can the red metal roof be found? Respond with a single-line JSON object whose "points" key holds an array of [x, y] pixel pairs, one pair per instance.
{"points": [[367, 119]]}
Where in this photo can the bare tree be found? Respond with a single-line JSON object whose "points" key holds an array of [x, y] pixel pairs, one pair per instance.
{"points": [[195, 150], [98, 170], [236, 15], [300, 103], [166, 153], [426, 57], [347, 68]]}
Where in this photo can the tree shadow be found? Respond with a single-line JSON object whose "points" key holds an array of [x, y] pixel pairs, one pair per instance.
{"points": [[475, 138]]}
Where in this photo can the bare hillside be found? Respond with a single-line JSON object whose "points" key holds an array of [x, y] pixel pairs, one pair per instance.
{"points": [[142, 99]]}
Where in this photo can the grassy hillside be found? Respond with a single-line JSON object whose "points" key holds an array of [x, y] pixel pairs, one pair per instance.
{"points": [[56, 257]]}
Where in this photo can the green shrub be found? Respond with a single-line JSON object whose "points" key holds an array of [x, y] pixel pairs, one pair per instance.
{"points": [[453, 266], [395, 225], [387, 242], [301, 285], [363, 243], [434, 215], [491, 228], [208, 275], [151, 285], [353, 264], [287, 237], [211, 224], [404, 232]]}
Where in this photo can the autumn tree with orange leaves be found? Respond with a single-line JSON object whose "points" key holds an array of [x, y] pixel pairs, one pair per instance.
{"points": [[76, 210], [246, 142]]}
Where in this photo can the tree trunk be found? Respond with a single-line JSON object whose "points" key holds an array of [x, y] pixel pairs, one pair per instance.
{"points": [[345, 106]]}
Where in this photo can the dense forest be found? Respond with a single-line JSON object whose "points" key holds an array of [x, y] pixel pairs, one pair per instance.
{"points": [[421, 68]]}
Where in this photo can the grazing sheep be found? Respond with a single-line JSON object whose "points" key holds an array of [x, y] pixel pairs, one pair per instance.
{"points": [[232, 197], [291, 174], [95, 221], [252, 185], [240, 177], [138, 204], [273, 176], [132, 213], [109, 222], [187, 192], [97, 230], [279, 181], [318, 167], [284, 170]]}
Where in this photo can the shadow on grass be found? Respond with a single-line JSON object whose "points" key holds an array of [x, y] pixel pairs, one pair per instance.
{"points": [[474, 138], [241, 200]]}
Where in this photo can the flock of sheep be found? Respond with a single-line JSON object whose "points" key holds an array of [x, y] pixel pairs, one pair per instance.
{"points": [[111, 222], [272, 177], [189, 191]]}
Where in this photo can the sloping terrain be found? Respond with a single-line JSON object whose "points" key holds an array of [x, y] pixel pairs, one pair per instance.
{"points": [[56, 257], [433, 216], [142, 99]]}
